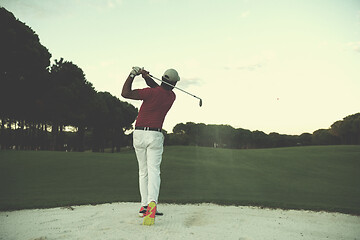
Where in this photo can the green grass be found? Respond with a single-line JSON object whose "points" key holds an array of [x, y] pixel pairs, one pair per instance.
{"points": [[315, 178]]}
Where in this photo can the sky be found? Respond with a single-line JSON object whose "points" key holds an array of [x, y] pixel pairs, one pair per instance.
{"points": [[285, 66]]}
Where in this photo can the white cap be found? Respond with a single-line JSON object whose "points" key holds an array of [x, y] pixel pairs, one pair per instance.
{"points": [[171, 75]]}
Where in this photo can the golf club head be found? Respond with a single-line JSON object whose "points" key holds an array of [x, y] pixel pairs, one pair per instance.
{"points": [[200, 103]]}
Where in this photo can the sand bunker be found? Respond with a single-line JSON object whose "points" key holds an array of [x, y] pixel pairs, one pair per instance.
{"points": [[203, 221]]}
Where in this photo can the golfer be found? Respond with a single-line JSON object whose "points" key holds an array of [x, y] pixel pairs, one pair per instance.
{"points": [[148, 139]]}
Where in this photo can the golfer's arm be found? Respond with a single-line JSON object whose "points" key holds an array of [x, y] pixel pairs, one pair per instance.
{"points": [[150, 82], [127, 92]]}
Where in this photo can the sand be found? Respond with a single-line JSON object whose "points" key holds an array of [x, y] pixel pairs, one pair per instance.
{"points": [[199, 221]]}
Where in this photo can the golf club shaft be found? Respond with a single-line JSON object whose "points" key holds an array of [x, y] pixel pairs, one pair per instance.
{"points": [[176, 88]]}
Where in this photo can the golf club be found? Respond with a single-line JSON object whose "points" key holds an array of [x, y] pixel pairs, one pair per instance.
{"points": [[200, 103]]}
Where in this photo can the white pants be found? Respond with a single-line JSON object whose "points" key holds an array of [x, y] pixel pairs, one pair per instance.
{"points": [[149, 148]]}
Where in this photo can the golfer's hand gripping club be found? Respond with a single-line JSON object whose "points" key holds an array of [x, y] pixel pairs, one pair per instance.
{"points": [[136, 71]]}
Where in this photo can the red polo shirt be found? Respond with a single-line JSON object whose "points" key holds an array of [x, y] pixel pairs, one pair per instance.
{"points": [[156, 103]]}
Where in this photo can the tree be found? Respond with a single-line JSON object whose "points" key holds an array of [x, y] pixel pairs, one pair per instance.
{"points": [[324, 137], [34, 97], [184, 133], [121, 116], [220, 135], [347, 130], [24, 66], [243, 138], [70, 101], [110, 119], [260, 139], [305, 139], [98, 119]]}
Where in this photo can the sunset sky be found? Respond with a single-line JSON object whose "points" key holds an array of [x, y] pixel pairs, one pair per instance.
{"points": [[286, 66]]}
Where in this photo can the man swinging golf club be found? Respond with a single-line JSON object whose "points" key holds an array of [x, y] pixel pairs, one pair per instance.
{"points": [[148, 139]]}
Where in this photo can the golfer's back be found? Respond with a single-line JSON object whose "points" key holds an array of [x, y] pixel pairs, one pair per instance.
{"points": [[156, 103]]}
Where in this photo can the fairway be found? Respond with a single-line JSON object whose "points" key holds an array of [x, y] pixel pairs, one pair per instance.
{"points": [[316, 178]]}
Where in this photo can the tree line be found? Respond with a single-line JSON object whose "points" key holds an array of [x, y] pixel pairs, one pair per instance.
{"points": [[40, 102], [47, 106], [346, 131]]}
